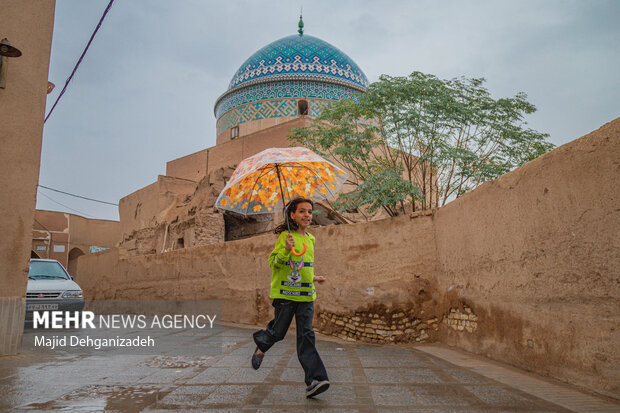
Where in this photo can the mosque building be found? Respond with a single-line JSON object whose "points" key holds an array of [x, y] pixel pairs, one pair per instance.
{"points": [[283, 85], [294, 76]]}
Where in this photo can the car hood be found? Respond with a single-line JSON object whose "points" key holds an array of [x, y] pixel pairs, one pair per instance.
{"points": [[35, 286]]}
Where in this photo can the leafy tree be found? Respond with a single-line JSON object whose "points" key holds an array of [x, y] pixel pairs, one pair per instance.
{"points": [[422, 140]]}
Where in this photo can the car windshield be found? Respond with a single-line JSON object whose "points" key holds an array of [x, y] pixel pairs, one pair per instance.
{"points": [[46, 269]]}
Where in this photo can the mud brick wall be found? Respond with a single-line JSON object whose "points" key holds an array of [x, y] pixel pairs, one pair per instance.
{"points": [[238, 273], [534, 254]]}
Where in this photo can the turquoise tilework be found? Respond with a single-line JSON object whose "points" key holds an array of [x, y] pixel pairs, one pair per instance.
{"points": [[283, 89], [276, 108], [300, 55]]}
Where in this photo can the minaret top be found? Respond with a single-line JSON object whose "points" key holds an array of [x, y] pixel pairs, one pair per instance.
{"points": [[301, 26]]}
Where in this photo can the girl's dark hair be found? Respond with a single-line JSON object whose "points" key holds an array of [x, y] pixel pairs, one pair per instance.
{"points": [[291, 207]]}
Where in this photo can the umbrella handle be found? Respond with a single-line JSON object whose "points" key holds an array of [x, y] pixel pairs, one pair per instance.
{"points": [[299, 254]]}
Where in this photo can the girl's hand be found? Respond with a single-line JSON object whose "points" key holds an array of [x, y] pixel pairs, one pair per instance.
{"points": [[290, 243], [320, 279]]}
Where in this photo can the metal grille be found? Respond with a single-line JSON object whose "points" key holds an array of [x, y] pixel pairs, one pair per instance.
{"points": [[43, 295]]}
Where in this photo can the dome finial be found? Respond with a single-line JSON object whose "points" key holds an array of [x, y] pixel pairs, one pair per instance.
{"points": [[301, 23]]}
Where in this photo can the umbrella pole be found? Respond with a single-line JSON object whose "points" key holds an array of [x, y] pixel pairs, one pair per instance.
{"points": [[283, 203]]}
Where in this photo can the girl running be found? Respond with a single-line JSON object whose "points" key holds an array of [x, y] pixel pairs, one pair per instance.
{"points": [[293, 294]]}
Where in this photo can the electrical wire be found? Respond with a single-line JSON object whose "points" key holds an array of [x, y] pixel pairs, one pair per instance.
{"points": [[62, 92], [77, 196], [75, 210]]}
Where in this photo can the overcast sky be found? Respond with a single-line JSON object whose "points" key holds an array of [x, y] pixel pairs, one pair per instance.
{"points": [[145, 91]]}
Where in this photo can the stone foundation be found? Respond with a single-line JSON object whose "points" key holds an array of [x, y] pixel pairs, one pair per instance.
{"points": [[380, 325], [459, 320]]}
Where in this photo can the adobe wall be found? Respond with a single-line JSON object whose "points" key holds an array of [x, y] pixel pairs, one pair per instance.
{"points": [[534, 255], [253, 126], [137, 209], [386, 262], [192, 166], [231, 272], [28, 25], [59, 233], [145, 207], [99, 232]]}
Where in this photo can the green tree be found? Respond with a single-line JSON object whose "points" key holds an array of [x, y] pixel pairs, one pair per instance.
{"points": [[422, 140]]}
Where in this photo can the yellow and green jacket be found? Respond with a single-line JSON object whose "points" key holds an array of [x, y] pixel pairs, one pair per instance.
{"points": [[296, 283]]}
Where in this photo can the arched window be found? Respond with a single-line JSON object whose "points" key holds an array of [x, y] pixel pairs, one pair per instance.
{"points": [[302, 107]]}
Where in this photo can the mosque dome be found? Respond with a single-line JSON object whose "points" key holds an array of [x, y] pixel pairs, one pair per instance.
{"points": [[294, 76], [300, 57]]}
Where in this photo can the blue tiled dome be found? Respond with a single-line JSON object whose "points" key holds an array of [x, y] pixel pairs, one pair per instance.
{"points": [[274, 80], [300, 57]]}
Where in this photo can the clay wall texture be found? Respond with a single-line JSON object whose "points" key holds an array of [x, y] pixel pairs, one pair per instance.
{"points": [[52, 228], [86, 232], [253, 126], [146, 207], [28, 25], [523, 270], [535, 254], [192, 167], [66, 237], [22, 105]]}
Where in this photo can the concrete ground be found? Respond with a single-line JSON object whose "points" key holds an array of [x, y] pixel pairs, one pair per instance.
{"points": [[212, 373]]}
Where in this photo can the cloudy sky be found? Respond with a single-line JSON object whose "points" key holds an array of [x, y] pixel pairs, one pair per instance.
{"points": [[145, 91]]}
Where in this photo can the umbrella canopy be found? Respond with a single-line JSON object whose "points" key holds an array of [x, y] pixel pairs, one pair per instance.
{"points": [[262, 183]]}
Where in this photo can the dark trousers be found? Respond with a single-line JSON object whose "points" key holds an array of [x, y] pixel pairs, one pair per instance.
{"points": [[306, 349]]}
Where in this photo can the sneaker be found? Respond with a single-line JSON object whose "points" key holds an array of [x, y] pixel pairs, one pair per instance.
{"points": [[257, 359], [317, 387]]}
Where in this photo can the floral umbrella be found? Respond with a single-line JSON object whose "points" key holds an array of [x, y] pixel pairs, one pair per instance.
{"points": [[263, 183]]}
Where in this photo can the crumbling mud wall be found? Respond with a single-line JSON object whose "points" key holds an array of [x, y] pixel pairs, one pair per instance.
{"points": [[523, 269], [535, 256], [173, 213]]}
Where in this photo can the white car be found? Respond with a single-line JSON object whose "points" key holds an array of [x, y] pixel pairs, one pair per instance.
{"points": [[50, 287]]}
